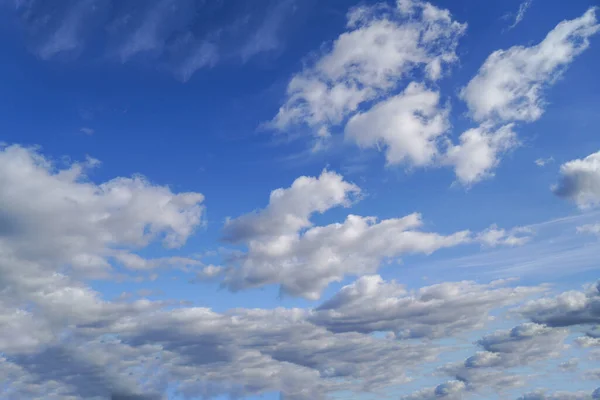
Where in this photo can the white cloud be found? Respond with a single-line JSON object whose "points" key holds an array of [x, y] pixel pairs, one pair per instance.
{"points": [[284, 248], [541, 394], [520, 345], [588, 341], [86, 131], [147, 30], [63, 34], [266, 350], [56, 225], [478, 152], [494, 236], [580, 181], [408, 125], [268, 37], [433, 311], [450, 390], [198, 55], [305, 263], [523, 7], [75, 216], [489, 372], [567, 309], [209, 272], [289, 210], [569, 365], [593, 229], [524, 345], [177, 36], [135, 262], [542, 162], [510, 84], [382, 45]]}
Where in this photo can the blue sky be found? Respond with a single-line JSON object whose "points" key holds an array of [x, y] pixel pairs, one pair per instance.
{"points": [[299, 199]]}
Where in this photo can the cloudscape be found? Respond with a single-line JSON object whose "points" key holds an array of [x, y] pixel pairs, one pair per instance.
{"points": [[300, 200]]}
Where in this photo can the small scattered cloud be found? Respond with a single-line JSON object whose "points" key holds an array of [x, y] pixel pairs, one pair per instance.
{"points": [[593, 229], [542, 162], [494, 236], [523, 7], [87, 131]]}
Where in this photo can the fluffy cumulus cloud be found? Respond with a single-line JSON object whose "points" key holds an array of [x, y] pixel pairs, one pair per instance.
{"points": [[382, 45], [305, 263], [53, 215], [56, 216], [61, 231], [289, 209], [478, 152], [284, 248], [58, 227], [573, 307], [408, 125], [60, 339], [510, 84], [580, 181], [360, 84]]}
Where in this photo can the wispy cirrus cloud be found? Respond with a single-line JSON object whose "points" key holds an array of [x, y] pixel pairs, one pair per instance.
{"points": [[181, 36], [520, 14]]}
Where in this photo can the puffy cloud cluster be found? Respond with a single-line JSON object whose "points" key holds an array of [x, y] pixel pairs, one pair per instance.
{"points": [[60, 339], [489, 370], [359, 84], [509, 88], [382, 45]]}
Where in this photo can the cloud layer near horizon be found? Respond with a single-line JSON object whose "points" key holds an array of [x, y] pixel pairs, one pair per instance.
{"points": [[60, 339]]}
